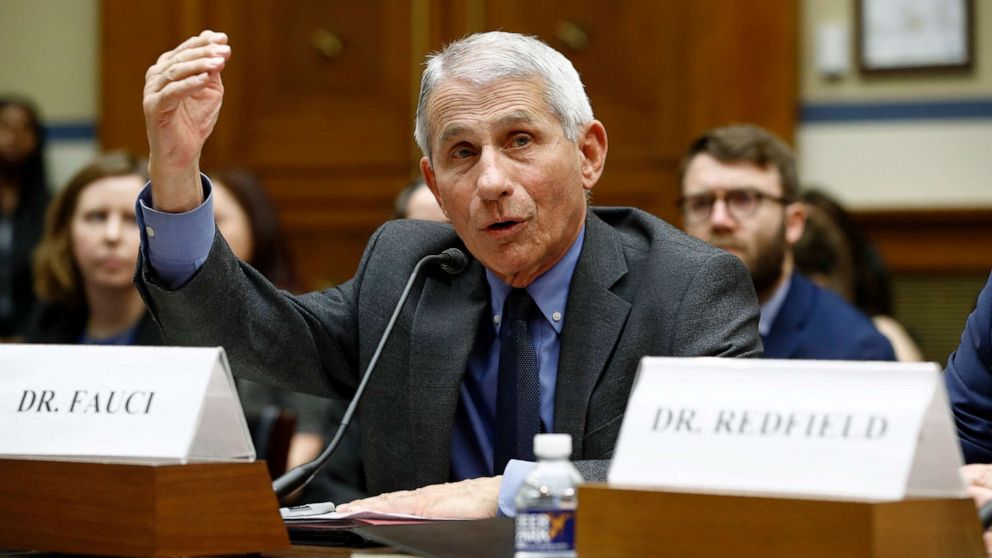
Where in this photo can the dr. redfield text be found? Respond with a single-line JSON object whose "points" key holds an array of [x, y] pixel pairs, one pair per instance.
{"points": [[790, 424]]}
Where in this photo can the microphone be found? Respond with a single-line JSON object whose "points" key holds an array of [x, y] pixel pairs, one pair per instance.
{"points": [[452, 261]]}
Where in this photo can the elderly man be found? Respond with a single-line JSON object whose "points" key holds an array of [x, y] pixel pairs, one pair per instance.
{"points": [[542, 332], [740, 193]]}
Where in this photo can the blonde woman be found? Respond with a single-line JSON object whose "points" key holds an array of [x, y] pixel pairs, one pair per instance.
{"points": [[86, 258]]}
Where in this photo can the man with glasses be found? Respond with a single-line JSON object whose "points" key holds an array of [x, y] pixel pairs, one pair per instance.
{"points": [[740, 193]]}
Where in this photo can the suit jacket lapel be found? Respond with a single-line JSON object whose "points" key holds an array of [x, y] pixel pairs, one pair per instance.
{"points": [[444, 329], [594, 318]]}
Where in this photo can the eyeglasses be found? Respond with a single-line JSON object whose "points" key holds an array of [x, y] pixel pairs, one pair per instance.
{"points": [[740, 202]]}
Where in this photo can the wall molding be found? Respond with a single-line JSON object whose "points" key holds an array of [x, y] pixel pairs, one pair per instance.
{"points": [[932, 241]]}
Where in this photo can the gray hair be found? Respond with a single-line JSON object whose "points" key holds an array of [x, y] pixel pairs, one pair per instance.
{"points": [[483, 58]]}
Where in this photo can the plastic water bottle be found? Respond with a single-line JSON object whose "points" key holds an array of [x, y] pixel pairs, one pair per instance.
{"points": [[546, 501]]}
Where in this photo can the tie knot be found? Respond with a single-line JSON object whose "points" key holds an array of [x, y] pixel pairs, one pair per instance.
{"points": [[519, 305]]}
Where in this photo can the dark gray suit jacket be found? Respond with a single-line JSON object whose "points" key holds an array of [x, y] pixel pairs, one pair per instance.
{"points": [[640, 287]]}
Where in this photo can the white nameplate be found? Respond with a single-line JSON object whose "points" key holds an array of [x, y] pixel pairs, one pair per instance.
{"points": [[831, 429], [148, 404]]}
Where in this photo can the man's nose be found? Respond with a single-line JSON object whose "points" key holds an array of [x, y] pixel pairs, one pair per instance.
{"points": [[493, 182], [720, 217]]}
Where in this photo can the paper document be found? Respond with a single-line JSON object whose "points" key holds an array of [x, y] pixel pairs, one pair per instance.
{"points": [[319, 512]]}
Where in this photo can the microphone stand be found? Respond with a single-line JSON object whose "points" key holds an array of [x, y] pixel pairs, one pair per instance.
{"points": [[452, 261]]}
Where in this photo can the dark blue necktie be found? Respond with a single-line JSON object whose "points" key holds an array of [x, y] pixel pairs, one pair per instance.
{"points": [[518, 395]]}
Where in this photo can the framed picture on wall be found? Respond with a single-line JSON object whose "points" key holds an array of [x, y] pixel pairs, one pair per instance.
{"points": [[914, 35]]}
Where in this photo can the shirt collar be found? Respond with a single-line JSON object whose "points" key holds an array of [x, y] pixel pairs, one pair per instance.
{"points": [[771, 308], [549, 291]]}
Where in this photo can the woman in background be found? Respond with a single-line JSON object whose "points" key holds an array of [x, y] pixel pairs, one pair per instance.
{"points": [[415, 201], [23, 198], [837, 255], [249, 224], [86, 258]]}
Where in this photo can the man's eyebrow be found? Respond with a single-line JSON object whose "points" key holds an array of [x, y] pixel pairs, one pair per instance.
{"points": [[515, 117], [450, 132]]}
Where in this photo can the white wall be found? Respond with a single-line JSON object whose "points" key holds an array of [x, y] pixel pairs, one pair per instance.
{"points": [[900, 165], [49, 53], [907, 162]]}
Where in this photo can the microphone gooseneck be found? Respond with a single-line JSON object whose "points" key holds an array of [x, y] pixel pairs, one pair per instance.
{"points": [[452, 261]]}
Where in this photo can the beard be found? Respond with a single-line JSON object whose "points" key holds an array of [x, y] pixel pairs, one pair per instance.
{"points": [[766, 267]]}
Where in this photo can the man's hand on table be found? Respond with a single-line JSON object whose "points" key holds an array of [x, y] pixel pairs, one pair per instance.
{"points": [[467, 499]]}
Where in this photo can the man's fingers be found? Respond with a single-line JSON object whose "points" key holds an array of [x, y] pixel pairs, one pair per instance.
{"points": [[978, 474], [207, 51], [167, 99], [390, 502], [184, 70], [198, 54], [181, 71], [204, 38], [468, 499]]}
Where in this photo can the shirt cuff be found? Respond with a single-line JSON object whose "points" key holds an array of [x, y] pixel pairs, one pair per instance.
{"points": [[176, 244], [514, 475]]}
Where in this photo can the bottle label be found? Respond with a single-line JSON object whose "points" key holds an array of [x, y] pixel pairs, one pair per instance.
{"points": [[545, 530]]}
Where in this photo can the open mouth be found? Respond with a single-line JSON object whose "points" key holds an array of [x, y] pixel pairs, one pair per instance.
{"points": [[502, 225], [504, 230]]}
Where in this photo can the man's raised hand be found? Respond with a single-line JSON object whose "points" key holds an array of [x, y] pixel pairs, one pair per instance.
{"points": [[182, 99]]}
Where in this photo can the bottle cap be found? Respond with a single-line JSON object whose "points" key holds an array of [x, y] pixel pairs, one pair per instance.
{"points": [[553, 446]]}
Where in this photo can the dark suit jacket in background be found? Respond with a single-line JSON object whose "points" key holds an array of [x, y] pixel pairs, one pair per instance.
{"points": [[640, 287], [969, 382], [28, 221], [816, 323]]}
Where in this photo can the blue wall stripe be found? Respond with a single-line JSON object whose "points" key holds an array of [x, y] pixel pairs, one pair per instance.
{"points": [[70, 131], [887, 112]]}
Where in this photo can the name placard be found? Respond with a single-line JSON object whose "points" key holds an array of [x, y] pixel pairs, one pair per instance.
{"points": [[858, 430], [148, 404]]}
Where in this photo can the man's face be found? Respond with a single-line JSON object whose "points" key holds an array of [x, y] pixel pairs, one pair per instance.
{"points": [[506, 176], [761, 239]]}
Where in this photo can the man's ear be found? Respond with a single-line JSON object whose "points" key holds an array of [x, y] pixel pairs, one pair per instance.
{"points": [[795, 222], [593, 145], [431, 180]]}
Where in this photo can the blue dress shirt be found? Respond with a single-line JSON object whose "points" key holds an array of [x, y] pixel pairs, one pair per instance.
{"points": [[473, 434], [771, 307], [176, 244]]}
